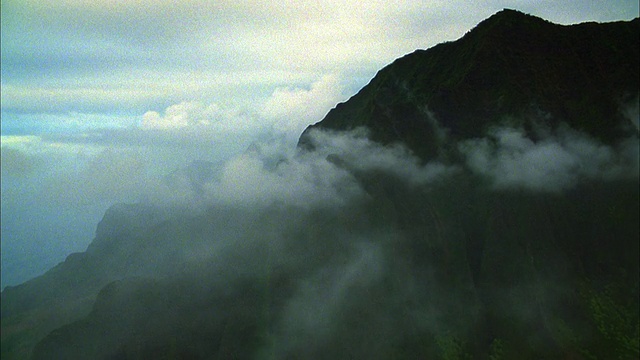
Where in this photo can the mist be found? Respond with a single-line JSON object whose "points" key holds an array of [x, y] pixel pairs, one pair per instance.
{"points": [[298, 230], [170, 94], [71, 176], [334, 251], [555, 161]]}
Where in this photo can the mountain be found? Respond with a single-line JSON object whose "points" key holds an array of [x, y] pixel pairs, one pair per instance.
{"points": [[511, 69], [478, 199]]}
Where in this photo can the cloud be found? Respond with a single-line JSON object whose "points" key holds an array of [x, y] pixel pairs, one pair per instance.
{"points": [[293, 109], [303, 182], [103, 57], [335, 265], [191, 130], [304, 222], [285, 114], [201, 71], [180, 116], [559, 161], [271, 172], [312, 315], [361, 154], [195, 116]]}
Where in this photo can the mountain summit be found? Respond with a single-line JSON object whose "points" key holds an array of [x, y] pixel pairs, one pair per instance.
{"points": [[513, 69]]}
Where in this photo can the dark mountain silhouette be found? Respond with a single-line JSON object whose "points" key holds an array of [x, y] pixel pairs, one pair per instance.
{"points": [[493, 216], [512, 68]]}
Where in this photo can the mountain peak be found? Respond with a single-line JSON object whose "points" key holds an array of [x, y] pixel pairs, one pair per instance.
{"points": [[511, 67], [506, 15], [510, 23]]}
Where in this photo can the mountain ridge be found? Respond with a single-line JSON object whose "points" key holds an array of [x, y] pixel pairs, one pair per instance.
{"points": [[511, 67]]}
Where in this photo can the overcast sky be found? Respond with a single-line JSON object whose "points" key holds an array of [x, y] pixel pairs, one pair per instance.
{"points": [[82, 64], [98, 96]]}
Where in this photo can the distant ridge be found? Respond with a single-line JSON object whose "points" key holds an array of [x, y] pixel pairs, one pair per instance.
{"points": [[511, 68]]}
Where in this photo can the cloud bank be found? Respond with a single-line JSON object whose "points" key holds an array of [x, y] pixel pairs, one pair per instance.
{"points": [[556, 162], [301, 225], [332, 250], [271, 172]]}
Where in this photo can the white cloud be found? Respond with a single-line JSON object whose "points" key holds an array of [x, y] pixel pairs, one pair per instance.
{"points": [[631, 111], [293, 109], [361, 154], [558, 161], [286, 113], [180, 116], [250, 180], [271, 172], [189, 121]]}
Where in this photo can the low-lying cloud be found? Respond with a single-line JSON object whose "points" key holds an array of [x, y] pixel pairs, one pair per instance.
{"points": [[301, 219], [340, 265], [558, 161], [300, 224], [271, 172], [361, 154]]}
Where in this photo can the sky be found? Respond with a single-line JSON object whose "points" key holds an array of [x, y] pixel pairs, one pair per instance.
{"points": [[100, 98]]}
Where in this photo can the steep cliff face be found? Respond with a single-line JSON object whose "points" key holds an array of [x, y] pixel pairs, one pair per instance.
{"points": [[66, 292], [536, 262], [512, 69]]}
